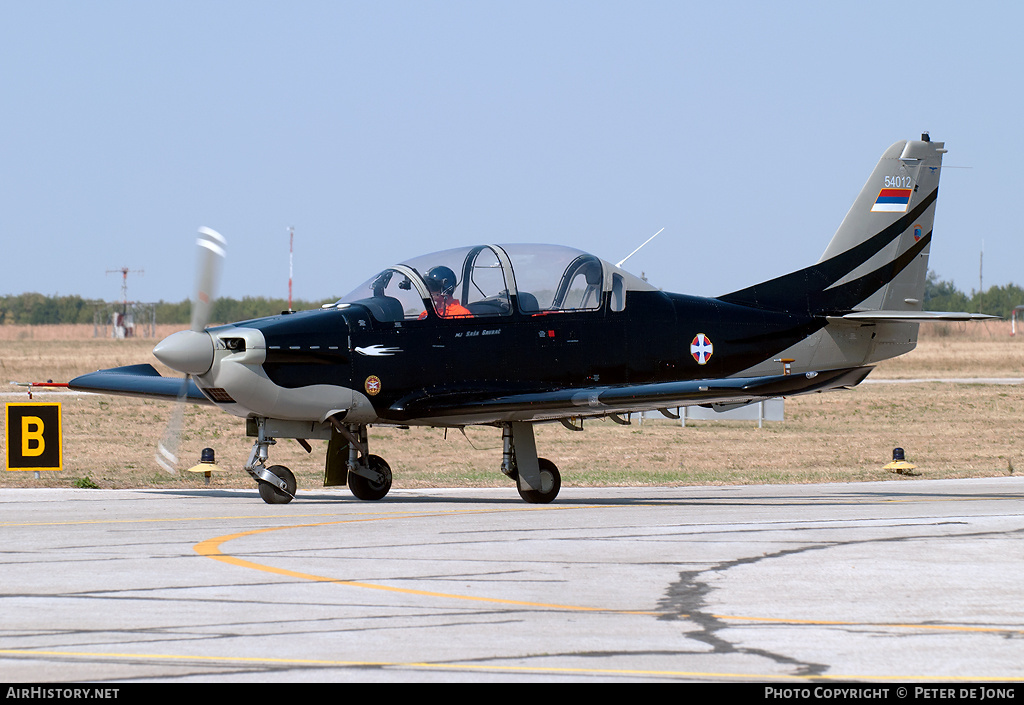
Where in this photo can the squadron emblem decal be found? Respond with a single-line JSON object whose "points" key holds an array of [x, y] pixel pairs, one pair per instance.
{"points": [[701, 349], [372, 385]]}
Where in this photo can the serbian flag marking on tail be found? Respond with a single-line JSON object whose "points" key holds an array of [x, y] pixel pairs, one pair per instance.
{"points": [[892, 200]]}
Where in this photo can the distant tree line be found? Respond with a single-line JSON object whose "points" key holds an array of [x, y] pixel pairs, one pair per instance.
{"points": [[995, 301], [37, 309]]}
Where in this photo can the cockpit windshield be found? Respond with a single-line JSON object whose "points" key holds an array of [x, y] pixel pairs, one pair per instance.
{"points": [[480, 281], [470, 280], [391, 295]]}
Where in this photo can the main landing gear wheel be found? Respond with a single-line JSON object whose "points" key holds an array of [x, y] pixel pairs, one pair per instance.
{"points": [[271, 494], [550, 483], [367, 489]]}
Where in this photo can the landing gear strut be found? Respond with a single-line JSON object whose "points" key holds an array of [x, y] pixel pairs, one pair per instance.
{"points": [[369, 476], [276, 483], [537, 479], [348, 459]]}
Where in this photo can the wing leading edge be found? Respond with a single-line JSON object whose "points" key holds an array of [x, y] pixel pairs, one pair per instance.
{"points": [[139, 381]]}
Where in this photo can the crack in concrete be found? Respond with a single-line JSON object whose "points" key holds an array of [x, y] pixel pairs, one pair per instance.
{"points": [[687, 598]]}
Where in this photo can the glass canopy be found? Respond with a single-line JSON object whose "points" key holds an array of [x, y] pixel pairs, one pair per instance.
{"points": [[483, 279]]}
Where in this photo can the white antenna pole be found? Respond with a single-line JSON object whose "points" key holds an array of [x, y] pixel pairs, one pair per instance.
{"points": [[981, 269], [291, 239], [638, 249]]}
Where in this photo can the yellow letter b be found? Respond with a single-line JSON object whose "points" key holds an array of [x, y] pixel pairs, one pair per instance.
{"points": [[32, 443]]}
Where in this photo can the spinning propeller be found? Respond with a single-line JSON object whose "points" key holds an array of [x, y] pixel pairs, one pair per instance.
{"points": [[191, 351]]}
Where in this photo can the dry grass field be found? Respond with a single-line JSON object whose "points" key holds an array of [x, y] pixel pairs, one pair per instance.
{"points": [[948, 430]]}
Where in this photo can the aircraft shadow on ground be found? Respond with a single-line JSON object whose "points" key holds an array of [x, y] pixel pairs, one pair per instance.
{"points": [[716, 495]]}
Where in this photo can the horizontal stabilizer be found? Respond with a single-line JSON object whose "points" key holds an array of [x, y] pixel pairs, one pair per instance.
{"points": [[911, 316], [138, 381]]}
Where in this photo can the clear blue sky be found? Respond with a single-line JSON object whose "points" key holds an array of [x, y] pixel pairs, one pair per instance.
{"points": [[384, 130]]}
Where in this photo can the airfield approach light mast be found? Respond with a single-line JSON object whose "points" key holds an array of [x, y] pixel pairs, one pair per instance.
{"points": [[124, 283], [124, 325]]}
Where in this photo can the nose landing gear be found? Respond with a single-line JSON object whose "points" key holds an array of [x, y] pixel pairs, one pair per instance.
{"points": [[275, 493], [276, 483]]}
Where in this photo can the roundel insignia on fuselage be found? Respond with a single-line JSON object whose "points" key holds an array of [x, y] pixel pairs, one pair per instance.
{"points": [[372, 385], [701, 349]]}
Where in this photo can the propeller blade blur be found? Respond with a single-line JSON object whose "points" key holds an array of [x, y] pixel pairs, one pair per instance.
{"points": [[167, 449], [212, 251], [191, 351]]}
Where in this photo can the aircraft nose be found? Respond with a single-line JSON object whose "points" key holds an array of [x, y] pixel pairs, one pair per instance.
{"points": [[186, 351]]}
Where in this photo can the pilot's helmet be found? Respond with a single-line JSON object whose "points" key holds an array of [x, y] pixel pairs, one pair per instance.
{"points": [[440, 280]]}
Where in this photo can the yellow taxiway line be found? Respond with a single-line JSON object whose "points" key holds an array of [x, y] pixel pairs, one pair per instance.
{"points": [[567, 670]]}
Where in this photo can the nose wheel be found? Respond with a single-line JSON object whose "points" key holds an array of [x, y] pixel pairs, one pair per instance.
{"points": [[274, 493], [276, 483]]}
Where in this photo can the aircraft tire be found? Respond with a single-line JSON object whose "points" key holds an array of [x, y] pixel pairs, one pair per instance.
{"points": [[367, 489], [551, 483], [272, 495]]}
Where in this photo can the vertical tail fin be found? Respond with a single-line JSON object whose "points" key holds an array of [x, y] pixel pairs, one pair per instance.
{"points": [[899, 200], [878, 258]]}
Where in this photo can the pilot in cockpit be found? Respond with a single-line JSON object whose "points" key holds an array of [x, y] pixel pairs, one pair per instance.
{"points": [[440, 283]]}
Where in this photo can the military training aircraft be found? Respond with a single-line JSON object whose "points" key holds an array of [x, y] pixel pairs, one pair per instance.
{"points": [[514, 335]]}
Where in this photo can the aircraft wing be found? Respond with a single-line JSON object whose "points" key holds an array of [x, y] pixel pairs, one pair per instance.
{"points": [[468, 406], [138, 381]]}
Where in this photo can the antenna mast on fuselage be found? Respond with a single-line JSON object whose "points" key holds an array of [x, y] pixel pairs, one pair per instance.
{"points": [[623, 260]]}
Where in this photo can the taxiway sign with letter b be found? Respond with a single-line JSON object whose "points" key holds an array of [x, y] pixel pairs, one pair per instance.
{"points": [[34, 437]]}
